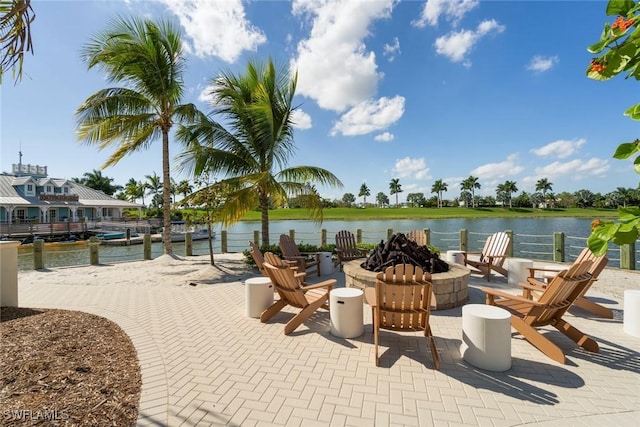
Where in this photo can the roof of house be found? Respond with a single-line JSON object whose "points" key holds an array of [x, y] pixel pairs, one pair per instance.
{"points": [[11, 193]]}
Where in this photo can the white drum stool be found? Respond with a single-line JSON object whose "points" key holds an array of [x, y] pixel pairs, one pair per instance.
{"points": [[456, 257], [486, 337], [518, 269], [258, 295], [346, 312], [631, 318]]}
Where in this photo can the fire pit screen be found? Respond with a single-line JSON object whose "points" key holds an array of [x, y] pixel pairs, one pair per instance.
{"points": [[400, 250]]}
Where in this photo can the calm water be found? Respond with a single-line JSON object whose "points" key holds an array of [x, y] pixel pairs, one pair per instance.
{"points": [[533, 237]]}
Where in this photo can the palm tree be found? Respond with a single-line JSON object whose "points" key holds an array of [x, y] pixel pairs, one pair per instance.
{"points": [[470, 184], [625, 194], [15, 35], [134, 190], [510, 188], [184, 188], [439, 187], [253, 153], [97, 181], [154, 184], [543, 185], [147, 59], [364, 192], [395, 188]]}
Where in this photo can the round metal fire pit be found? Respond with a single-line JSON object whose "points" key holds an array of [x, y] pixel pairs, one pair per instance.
{"points": [[449, 289]]}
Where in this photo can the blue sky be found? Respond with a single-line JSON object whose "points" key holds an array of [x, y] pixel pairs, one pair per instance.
{"points": [[418, 91]]}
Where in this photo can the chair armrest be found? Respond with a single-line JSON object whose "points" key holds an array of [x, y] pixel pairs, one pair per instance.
{"points": [[494, 292], [532, 270], [316, 255], [326, 284], [370, 296]]}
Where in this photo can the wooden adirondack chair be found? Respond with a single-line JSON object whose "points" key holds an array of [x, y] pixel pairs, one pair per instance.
{"points": [[257, 256], [346, 247], [401, 301], [557, 297], [276, 261], [598, 264], [418, 236], [492, 256], [308, 298], [305, 260]]}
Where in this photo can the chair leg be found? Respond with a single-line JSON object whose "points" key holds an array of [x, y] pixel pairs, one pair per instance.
{"points": [[271, 311], [376, 330], [297, 320], [592, 307], [434, 350], [538, 340], [577, 336]]}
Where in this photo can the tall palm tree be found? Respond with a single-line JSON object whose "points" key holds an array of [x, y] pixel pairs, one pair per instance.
{"points": [[505, 191], [395, 188], [15, 35], [470, 184], [364, 192], [135, 190], [185, 188], [254, 151], [154, 184], [147, 59], [439, 187], [97, 181], [543, 185]]}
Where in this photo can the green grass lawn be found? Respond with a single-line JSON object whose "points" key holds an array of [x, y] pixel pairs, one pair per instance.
{"points": [[432, 213]]}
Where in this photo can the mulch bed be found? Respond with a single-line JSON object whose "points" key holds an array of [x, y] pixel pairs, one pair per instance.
{"points": [[60, 367]]}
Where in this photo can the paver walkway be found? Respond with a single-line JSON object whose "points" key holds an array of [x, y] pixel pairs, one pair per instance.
{"points": [[205, 363]]}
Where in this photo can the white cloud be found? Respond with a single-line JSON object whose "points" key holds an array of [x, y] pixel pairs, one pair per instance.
{"points": [[301, 120], [384, 137], [576, 169], [391, 50], [334, 67], [561, 148], [410, 168], [508, 167], [540, 64], [456, 45], [452, 10], [370, 116], [217, 28]]}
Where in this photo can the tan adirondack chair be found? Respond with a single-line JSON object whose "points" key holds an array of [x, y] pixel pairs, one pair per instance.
{"points": [[276, 261], [401, 301], [598, 264], [257, 256], [492, 256], [308, 298], [418, 236], [305, 260], [346, 247], [529, 314]]}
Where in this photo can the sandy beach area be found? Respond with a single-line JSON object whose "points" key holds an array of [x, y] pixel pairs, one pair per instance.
{"points": [[166, 270]]}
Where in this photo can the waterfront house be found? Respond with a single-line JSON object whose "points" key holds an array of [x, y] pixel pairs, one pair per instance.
{"points": [[28, 194]]}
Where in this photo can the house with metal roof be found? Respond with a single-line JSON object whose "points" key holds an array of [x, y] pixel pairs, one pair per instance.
{"points": [[28, 194]]}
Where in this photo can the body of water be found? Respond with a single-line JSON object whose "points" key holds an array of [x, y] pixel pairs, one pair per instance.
{"points": [[533, 238]]}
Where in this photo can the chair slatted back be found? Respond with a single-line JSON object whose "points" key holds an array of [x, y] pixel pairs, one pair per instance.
{"points": [[346, 242], [418, 236], [287, 286], [288, 247], [598, 262], [559, 294], [403, 295], [257, 256], [496, 246]]}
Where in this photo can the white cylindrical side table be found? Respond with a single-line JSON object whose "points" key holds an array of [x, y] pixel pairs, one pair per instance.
{"points": [[486, 337], [518, 269], [346, 312], [9, 274], [456, 257], [258, 295], [326, 263], [631, 317]]}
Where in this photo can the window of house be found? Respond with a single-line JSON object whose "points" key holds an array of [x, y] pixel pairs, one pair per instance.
{"points": [[19, 214], [48, 189], [30, 190], [65, 190]]}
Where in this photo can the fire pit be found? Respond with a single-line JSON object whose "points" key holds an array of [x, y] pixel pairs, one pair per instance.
{"points": [[450, 281], [449, 289]]}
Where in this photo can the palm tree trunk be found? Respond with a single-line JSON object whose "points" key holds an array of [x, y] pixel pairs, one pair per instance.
{"points": [[264, 210], [166, 193]]}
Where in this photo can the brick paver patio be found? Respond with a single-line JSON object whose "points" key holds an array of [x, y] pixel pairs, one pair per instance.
{"points": [[205, 363]]}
